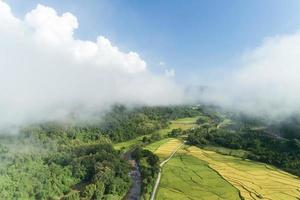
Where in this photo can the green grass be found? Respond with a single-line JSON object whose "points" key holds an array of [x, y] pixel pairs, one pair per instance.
{"points": [[186, 177], [224, 123], [183, 123], [226, 151], [155, 145], [187, 120], [254, 180], [127, 144]]}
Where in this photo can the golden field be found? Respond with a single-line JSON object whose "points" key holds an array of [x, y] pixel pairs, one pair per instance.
{"points": [[166, 149], [254, 180]]}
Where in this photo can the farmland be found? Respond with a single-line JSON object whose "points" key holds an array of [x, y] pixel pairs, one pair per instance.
{"points": [[167, 148], [186, 177], [182, 123], [214, 172], [194, 173], [254, 180]]}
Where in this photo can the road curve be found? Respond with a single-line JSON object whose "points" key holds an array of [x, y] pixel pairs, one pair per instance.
{"points": [[159, 173]]}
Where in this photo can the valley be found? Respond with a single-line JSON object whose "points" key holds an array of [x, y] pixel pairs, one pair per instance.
{"points": [[218, 173], [170, 153]]}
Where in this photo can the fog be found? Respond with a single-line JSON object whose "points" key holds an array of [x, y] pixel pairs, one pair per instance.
{"points": [[265, 83], [47, 74]]}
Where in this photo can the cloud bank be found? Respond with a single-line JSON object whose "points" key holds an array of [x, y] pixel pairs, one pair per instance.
{"points": [[266, 84], [46, 73]]}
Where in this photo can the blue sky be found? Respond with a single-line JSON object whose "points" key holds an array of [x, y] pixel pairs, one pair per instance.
{"points": [[190, 36]]}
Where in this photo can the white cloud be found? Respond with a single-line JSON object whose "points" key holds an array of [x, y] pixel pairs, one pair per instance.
{"points": [[267, 83], [162, 64], [45, 73], [51, 28], [169, 72]]}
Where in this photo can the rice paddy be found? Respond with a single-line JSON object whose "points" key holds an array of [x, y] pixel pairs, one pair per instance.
{"points": [[194, 173], [186, 177], [254, 180], [167, 148]]}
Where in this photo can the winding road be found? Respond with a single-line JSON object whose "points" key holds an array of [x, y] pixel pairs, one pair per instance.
{"points": [[159, 174]]}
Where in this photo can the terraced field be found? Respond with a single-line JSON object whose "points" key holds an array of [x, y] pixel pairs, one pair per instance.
{"points": [[254, 180]]}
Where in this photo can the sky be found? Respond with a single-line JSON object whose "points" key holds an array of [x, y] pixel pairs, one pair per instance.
{"points": [[62, 59], [191, 37]]}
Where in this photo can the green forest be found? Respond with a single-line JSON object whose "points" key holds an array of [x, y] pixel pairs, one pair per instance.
{"points": [[56, 160], [74, 160]]}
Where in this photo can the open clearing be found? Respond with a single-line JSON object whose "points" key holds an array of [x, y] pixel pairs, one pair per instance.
{"points": [[254, 180], [155, 145], [183, 123]]}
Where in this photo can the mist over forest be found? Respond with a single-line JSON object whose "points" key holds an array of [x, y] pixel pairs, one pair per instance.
{"points": [[92, 119]]}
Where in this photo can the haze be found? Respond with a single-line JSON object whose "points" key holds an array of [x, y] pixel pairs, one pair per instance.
{"points": [[47, 73]]}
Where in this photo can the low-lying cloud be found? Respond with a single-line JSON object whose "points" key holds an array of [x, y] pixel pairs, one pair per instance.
{"points": [[46, 73], [266, 84]]}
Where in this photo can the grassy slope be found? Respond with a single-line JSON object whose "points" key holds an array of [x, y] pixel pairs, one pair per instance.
{"points": [[155, 145], [226, 151], [254, 180], [183, 123]]}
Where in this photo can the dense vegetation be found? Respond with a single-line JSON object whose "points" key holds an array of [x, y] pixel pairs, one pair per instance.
{"points": [[149, 167], [123, 124], [89, 170], [71, 160]]}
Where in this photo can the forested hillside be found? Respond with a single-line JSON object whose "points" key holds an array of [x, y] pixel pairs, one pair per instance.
{"points": [[56, 160]]}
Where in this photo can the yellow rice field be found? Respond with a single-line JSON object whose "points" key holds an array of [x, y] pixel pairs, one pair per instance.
{"points": [[187, 177], [254, 180], [167, 148]]}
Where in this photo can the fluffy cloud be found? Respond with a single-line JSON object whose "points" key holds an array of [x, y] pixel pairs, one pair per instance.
{"points": [[268, 81], [46, 73]]}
